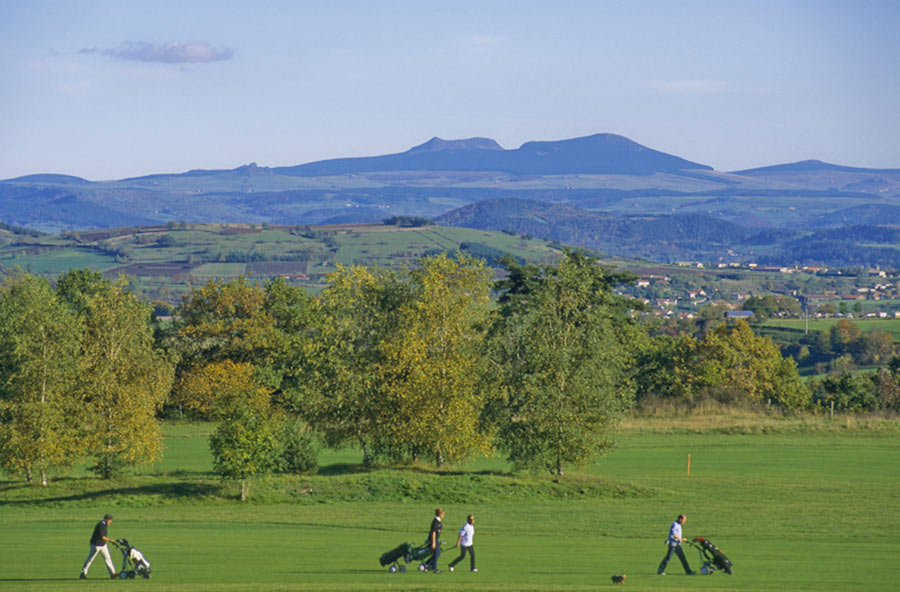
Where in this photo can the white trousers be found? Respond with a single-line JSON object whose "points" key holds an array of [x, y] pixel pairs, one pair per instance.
{"points": [[103, 550]]}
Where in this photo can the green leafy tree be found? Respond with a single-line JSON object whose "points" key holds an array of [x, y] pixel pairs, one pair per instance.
{"points": [[226, 321], [435, 364], [887, 389], [344, 359], [875, 347], [669, 369], [563, 365], [847, 391], [245, 445], [123, 379], [247, 442], [843, 336], [39, 346], [77, 285], [771, 304], [750, 367]]}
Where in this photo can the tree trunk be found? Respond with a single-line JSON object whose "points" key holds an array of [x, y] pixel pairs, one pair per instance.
{"points": [[245, 489], [367, 458], [44, 479]]}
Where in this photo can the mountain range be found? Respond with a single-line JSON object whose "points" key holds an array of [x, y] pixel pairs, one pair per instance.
{"points": [[602, 191]]}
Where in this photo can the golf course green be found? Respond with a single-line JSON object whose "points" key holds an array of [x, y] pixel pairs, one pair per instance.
{"points": [[793, 509]]}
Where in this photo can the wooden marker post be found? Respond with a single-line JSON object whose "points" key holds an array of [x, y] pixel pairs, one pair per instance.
{"points": [[689, 466]]}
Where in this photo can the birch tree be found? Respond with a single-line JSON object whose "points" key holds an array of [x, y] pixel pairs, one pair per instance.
{"points": [[39, 346], [124, 380], [435, 375]]}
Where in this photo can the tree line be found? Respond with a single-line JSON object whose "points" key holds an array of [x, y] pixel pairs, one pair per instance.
{"points": [[437, 364]]}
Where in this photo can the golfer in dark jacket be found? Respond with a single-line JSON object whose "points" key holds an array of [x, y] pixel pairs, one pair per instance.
{"points": [[98, 545], [433, 542]]}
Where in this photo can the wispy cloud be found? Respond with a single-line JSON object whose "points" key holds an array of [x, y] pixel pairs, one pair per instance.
{"points": [[167, 53]]}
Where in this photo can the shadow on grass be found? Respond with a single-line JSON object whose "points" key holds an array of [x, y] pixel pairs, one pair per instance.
{"points": [[331, 572], [168, 490], [343, 469], [360, 468], [37, 579]]}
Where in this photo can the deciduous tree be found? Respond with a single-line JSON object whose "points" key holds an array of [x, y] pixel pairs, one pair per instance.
{"points": [[344, 359], [39, 345], [123, 379], [246, 442], [436, 363], [563, 366], [224, 321]]}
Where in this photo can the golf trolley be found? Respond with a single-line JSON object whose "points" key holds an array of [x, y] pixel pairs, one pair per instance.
{"points": [[133, 561], [711, 558], [408, 554]]}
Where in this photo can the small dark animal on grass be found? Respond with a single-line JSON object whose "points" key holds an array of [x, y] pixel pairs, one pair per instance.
{"points": [[620, 579]]}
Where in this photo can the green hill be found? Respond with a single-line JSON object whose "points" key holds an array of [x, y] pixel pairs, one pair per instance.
{"points": [[165, 260]]}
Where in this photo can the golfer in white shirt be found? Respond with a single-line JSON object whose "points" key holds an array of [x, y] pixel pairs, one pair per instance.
{"points": [[466, 543]]}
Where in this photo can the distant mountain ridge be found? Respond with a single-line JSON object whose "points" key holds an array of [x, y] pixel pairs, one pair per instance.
{"points": [[604, 191], [596, 154], [810, 165]]}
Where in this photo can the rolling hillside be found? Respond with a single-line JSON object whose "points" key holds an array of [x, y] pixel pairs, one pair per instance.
{"points": [[609, 192]]}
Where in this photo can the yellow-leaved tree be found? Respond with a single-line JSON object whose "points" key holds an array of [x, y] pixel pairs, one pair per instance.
{"points": [[124, 379], [222, 321], [435, 364], [39, 345]]}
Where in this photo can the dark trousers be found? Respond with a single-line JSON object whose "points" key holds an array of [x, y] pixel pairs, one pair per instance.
{"points": [[678, 551], [432, 562], [462, 553]]}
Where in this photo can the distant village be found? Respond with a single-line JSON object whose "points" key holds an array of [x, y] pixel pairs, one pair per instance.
{"points": [[819, 292]]}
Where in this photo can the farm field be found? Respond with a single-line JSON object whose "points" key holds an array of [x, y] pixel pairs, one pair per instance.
{"points": [[794, 510], [164, 262], [891, 326]]}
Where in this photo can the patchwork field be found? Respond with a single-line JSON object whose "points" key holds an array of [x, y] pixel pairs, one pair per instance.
{"points": [[814, 507], [164, 262]]}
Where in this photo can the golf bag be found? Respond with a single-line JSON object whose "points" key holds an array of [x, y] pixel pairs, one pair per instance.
{"points": [[394, 556], [407, 553], [133, 561], [711, 557]]}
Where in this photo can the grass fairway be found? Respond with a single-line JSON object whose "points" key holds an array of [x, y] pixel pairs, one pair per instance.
{"points": [[793, 510]]}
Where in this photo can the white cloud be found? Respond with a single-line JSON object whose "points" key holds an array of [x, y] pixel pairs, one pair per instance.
{"points": [[168, 53]]}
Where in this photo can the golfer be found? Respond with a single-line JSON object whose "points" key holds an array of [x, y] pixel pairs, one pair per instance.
{"points": [[466, 543], [674, 543], [98, 545], [433, 541]]}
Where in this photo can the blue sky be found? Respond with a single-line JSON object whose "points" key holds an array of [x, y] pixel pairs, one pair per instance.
{"points": [[110, 89]]}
